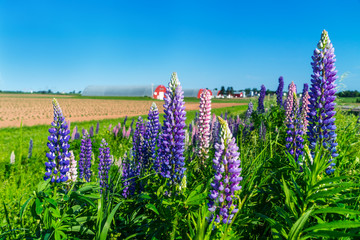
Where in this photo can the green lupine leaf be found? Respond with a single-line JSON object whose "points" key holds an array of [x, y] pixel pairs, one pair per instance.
{"points": [[299, 224]]}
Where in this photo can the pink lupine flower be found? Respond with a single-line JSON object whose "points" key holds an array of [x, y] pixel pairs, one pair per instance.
{"points": [[204, 125]]}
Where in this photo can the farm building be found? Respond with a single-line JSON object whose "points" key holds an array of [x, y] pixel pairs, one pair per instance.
{"points": [[124, 91], [136, 91]]}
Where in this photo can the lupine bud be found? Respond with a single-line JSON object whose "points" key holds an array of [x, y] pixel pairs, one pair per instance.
{"points": [[227, 176], [321, 128], [171, 149], [58, 164], [204, 125]]}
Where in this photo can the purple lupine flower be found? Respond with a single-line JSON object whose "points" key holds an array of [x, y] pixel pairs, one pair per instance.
{"points": [[227, 176], [171, 150], [289, 103], [125, 120], [138, 142], [128, 177], [74, 133], [321, 128], [249, 112], [279, 92], [261, 108], [58, 164], [85, 158], [304, 110], [104, 164], [91, 131], [294, 139], [150, 137], [30, 148], [97, 128], [72, 173], [203, 125]]}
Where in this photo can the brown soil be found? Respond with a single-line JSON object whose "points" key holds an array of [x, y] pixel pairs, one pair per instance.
{"points": [[36, 111]]}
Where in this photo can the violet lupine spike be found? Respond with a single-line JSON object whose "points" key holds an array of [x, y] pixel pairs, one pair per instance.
{"points": [[97, 128], [31, 145], [150, 137], [138, 142], [58, 164], [204, 125], [72, 173], [294, 139], [104, 164], [279, 92], [172, 145], [91, 131], [85, 158], [289, 103], [227, 176], [128, 177], [304, 108], [261, 108], [321, 128], [249, 111]]}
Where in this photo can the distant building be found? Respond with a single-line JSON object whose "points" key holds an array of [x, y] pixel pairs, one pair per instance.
{"points": [[159, 92]]}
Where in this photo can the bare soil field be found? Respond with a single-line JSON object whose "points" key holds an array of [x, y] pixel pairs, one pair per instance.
{"points": [[38, 110]]}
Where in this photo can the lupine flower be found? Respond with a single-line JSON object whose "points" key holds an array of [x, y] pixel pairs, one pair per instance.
{"points": [[58, 164], [304, 108], [321, 128], [261, 108], [104, 164], [204, 125], [294, 139], [227, 176], [279, 92], [97, 128], [85, 158], [125, 120], [91, 131], [249, 112], [289, 103], [72, 173], [30, 148], [171, 150], [128, 177], [12, 158], [150, 137], [74, 133], [138, 141]]}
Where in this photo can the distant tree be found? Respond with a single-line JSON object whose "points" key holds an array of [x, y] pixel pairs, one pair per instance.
{"points": [[49, 91], [247, 91], [254, 90], [222, 90]]}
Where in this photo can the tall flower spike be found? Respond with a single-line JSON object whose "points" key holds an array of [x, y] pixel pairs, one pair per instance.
{"points": [[172, 145], [72, 173], [104, 164], [30, 148], [289, 104], [321, 129], [85, 158], [204, 125], [227, 176], [279, 92], [151, 136], [304, 108], [58, 163], [261, 108]]}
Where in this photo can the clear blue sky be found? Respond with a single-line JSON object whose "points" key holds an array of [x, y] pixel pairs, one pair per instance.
{"points": [[67, 45]]}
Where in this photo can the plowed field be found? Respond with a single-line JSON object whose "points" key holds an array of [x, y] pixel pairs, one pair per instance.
{"points": [[36, 110]]}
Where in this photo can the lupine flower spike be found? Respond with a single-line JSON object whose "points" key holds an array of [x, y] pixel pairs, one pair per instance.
{"points": [[150, 137], [304, 108], [85, 158], [227, 176], [279, 92], [261, 108], [321, 129], [72, 173], [58, 155], [104, 164], [204, 125], [172, 145]]}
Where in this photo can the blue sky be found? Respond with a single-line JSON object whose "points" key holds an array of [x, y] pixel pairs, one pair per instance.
{"points": [[68, 45]]}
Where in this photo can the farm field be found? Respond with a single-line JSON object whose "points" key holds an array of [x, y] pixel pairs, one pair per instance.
{"points": [[36, 109]]}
